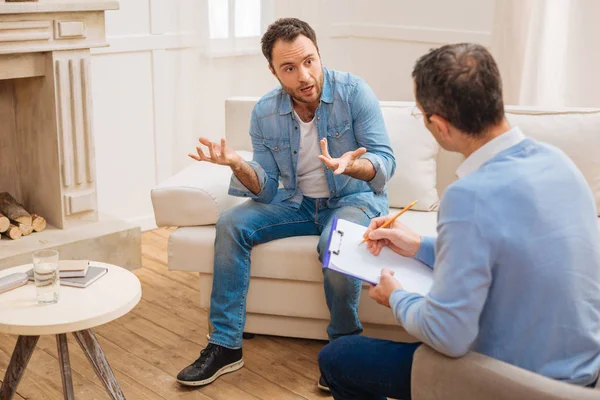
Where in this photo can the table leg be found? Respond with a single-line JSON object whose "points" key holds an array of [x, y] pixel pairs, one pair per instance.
{"points": [[88, 342], [65, 366], [18, 362]]}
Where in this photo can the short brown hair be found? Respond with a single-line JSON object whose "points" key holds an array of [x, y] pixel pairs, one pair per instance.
{"points": [[461, 83], [286, 29]]}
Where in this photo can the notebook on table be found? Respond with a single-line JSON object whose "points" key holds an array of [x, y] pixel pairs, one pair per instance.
{"points": [[73, 268], [69, 269], [94, 273], [347, 256], [91, 274]]}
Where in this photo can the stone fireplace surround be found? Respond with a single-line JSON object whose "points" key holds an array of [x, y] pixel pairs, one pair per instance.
{"points": [[46, 138]]}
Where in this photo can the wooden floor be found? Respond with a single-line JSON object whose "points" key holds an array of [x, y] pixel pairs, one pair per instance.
{"points": [[165, 332]]}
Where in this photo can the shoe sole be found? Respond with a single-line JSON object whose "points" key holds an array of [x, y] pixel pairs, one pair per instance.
{"points": [[323, 388], [224, 370]]}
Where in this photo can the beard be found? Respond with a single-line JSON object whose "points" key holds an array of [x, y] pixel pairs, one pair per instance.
{"points": [[298, 95]]}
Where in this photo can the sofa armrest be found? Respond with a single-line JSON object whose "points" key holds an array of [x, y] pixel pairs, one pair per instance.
{"points": [[197, 195], [475, 377]]}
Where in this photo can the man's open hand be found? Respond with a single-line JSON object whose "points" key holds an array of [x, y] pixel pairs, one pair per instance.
{"points": [[344, 163], [217, 154]]}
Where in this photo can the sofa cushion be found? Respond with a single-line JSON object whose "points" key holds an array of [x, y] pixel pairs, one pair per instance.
{"points": [[416, 151], [192, 249], [577, 133]]}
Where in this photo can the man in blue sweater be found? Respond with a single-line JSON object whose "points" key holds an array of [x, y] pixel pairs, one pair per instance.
{"points": [[517, 257]]}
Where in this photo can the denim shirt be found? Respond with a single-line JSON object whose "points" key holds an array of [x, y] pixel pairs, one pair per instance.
{"points": [[349, 117]]}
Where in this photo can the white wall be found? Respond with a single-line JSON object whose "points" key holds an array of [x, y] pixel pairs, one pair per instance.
{"points": [[582, 54], [156, 91], [380, 40]]}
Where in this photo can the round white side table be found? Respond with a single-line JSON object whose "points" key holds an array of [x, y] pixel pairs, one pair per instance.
{"points": [[78, 311]]}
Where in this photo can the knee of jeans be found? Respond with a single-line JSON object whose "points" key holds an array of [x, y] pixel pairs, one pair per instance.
{"points": [[226, 224], [322, 245], [339, 283], [325, 358], [333, 355]]}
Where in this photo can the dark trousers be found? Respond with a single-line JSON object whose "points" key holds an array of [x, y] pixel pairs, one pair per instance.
{"points": [[362, 368], [358, 367]]}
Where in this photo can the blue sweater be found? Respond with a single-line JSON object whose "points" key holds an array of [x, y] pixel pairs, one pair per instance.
{"points": [[516, 267]]}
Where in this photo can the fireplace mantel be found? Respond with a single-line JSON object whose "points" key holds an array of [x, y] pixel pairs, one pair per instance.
{"points": [[52, 25], [46, 6], [46, 135]]}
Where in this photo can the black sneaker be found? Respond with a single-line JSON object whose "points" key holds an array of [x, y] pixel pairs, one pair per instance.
{"points": [[213, 362], [323, 385]]}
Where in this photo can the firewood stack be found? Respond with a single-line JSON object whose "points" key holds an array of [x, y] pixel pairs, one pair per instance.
{"points": [[15, 221]]}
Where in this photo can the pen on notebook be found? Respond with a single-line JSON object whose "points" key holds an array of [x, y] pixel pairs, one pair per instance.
{"points": [[391, 221]]}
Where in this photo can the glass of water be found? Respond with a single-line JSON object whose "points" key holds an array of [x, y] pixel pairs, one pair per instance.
{"points": [[45, 273]]}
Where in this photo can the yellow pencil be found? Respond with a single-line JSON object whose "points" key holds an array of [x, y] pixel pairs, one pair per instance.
{"points": [[391, 221]]}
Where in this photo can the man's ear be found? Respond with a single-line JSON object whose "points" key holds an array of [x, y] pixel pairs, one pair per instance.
{"points": [[442, 126], [272, 70]]}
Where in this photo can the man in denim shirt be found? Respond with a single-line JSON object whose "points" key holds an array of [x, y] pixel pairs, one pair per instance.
{"points": [[320, 150]]}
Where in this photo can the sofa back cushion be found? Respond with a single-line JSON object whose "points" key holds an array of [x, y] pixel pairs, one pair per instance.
{"points": [[416, 151], [574, 131], [422, 167]]}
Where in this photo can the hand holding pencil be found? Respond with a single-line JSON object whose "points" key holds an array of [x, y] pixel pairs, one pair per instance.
{"points": [[397, 237]]}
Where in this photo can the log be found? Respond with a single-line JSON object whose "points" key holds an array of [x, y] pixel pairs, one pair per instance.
{"points": [[4, 223], [24, 228], [13, 232], [13, 210], [38, 223]]}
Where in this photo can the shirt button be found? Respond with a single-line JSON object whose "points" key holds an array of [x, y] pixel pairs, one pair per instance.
{"points": [[333, 191], [294, 151], [318, 118], [337, 134], [276, 148]]}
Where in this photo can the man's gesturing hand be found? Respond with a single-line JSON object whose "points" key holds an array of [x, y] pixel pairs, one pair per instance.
{"points": [[344, 163], [217, 154], [387, 284]]}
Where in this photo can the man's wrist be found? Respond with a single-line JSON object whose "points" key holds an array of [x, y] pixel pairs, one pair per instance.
{"points": [[237, 165], [351, 168], [418, 242], [361, 168]]}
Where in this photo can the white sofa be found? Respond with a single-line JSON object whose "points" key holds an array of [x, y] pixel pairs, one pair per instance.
{"points": [[286, 291]]}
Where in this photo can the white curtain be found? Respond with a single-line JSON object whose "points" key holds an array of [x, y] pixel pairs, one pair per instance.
{"points": [[548, 51]]}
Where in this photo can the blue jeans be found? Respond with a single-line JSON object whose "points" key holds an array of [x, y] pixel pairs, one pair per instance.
{"points": [[252, 223], [363, 368]]}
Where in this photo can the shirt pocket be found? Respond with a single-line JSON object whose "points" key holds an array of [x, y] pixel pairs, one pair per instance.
{"points": [[340, 139], [280, 149], [277, 145]]}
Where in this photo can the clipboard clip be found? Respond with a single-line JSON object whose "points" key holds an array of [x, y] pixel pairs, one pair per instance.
{"points": [[336, 234]]}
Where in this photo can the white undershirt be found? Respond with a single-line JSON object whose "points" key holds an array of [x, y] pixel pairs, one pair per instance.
{"points": [[311, 173]]}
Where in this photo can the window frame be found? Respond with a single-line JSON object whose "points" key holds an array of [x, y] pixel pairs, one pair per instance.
{"points": [[236, 46]]}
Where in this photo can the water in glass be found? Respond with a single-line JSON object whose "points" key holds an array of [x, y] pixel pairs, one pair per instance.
{"points": [[45, 273]]}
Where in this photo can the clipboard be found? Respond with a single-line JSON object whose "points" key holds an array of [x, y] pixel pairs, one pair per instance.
{"points": [[345, 255]]}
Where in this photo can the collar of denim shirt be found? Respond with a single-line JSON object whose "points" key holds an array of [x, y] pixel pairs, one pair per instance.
{"points": [[326, 95]]}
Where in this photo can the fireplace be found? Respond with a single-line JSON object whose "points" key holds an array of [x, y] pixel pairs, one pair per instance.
{"points": [[46, 136]]}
